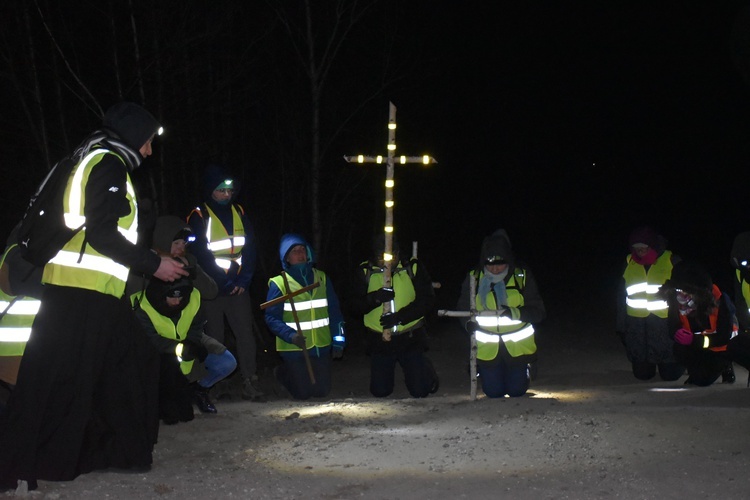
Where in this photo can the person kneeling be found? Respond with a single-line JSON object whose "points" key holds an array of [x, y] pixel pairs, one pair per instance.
{"points": [[192, 362]]}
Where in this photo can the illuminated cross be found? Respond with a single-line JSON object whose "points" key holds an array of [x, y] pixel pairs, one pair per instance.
{"points": [[390, 162]]}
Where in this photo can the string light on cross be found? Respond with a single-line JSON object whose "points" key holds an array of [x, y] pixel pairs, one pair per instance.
{"points": [[390, 160]]}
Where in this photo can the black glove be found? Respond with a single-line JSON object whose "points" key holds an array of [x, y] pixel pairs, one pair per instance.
{"points": [[389, 320], [472, 326], [379, 296], [191, 351], [299, 341]]}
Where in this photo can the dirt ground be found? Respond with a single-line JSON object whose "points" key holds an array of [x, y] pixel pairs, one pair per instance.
{"points": [[586, 429]]}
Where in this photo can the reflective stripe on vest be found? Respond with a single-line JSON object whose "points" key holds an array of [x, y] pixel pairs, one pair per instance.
{"points": [[312, 312], [15, 325], [90, 270], [517, 336], [227, 248], [403, 295], [641, 286]]}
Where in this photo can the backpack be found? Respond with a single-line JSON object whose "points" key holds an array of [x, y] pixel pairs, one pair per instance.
{"points": [[43, 232]]}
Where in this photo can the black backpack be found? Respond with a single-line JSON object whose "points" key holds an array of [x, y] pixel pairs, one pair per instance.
{"points": [[43, 232]]}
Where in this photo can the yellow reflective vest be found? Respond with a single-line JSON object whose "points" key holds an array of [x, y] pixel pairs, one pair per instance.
{"points": [[226, 248], [516, 335], [403, 291], [90, 269], [312, 312], [15, 325], [641, 286], [167, 328]]}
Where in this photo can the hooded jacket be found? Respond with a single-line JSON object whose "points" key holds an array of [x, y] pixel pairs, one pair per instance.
{"points": [[531, 309], [107, 201], [167, 227], [239, 276], [302, 274]]}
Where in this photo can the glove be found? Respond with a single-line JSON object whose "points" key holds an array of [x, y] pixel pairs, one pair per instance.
{"points": [[338, 342], [472, 326], [299, 340], [389, 320], [683, 336], [337, 352], [379, 296]]}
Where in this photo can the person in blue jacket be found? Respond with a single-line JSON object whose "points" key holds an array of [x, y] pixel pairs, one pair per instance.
{"points": [[321, 324], [225, 248]]}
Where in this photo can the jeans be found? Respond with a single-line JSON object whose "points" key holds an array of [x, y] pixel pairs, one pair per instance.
{"points": [[293, 374], [500, 377], [219, 366]]}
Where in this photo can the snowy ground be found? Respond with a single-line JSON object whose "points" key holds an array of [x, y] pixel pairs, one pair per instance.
{"points": [[587, 429]]}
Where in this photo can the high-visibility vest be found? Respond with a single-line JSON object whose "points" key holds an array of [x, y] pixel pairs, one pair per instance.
{"points": [[15, 325], [225, 247], [745, 287], [641, 286], [167, 328], [516, 335], [712, 321], [90, 269], [312, 312], [403, 291]]}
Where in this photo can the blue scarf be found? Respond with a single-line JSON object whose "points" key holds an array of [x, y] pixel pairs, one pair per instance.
{"points": [[493, 283]]}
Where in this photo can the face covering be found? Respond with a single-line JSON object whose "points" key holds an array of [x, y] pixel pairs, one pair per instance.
{"points": [[685, 303], [648, 258]]}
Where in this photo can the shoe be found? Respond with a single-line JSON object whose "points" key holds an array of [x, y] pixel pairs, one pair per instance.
{"points": [[435, 385], [727, 376], [251, 392], [202, 401]]}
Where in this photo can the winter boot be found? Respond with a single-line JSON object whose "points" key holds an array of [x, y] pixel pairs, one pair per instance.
{"points": [[202, 401], [727, 375], [250, 390]]}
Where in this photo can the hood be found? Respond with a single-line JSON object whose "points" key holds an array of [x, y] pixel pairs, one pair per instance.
{"points": [[166, 230], [648, 236], [130, 126], [214, 175], [497, 244], [740, 251], [287, 242]]}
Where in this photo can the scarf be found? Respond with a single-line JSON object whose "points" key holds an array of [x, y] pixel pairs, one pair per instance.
{"points": [[493, 283]]}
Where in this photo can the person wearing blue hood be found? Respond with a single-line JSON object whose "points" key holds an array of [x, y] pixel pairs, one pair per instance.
{"points": [[225, 248], [320, 319], [505, 341]]}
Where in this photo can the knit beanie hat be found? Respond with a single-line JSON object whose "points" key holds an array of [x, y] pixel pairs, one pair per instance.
{"points": [[690, 277], [132, 124]]}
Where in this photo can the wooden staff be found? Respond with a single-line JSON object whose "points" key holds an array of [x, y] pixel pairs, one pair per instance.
{"points": [[288, 296], [299, 330]]}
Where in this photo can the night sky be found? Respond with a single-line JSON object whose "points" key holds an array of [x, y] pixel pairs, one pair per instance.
{"points": [[567, 123]]}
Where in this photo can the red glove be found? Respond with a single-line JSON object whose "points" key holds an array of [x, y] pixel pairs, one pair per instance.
{"points": [[683, 336]]}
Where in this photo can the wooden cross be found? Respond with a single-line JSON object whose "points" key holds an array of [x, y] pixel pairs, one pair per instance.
{"points": [[390, 162]]}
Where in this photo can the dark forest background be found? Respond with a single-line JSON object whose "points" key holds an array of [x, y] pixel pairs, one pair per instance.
{"points": [[567, 123]]}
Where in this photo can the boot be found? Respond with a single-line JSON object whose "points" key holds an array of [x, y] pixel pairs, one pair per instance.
{"points": [[250, 390], [727, 376], [202, 401]]}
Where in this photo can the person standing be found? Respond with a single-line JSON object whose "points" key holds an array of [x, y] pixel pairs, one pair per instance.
{"points": [[701, 321], [505, 341], [321, 335], [85, 397], [411, 296], [641, 315], [225, 248]]}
